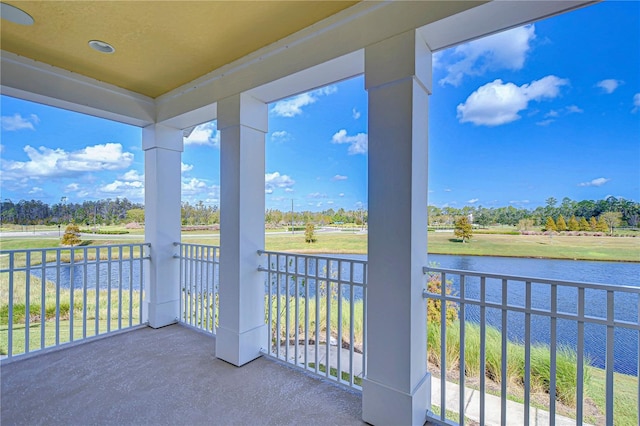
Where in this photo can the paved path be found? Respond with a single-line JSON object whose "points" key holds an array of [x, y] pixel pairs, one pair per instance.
{"points": [[515, 411]]}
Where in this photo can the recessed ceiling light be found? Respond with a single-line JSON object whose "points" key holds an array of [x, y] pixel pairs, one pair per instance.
{"points": [[15, 15], [102, 46]]}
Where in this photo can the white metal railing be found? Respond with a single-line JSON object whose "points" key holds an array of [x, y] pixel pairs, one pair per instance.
{"points": [[316, 314], [597, 325], [199, 278], [55, 296]]}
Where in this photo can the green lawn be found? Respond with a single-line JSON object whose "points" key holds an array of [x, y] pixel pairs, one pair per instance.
{"points": [[536, 246]]}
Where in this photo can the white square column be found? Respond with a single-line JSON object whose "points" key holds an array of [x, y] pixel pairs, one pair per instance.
{"points": [[162, 147], [242, 331], [397, 386]]}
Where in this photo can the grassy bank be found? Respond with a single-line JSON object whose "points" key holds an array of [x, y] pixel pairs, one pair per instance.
{"points": [[534, 246]]}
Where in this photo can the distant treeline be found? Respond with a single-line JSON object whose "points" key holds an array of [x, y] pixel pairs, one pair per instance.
{"points": [[483, 216], [118, 211]]}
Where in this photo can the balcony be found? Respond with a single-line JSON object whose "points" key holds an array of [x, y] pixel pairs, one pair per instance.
{"points": [[106, 366]]}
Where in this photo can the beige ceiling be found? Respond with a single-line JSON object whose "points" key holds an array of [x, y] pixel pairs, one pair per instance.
{"points": [[160, 45]]}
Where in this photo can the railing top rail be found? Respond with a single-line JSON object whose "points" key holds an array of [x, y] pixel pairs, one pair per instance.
{"points": [[180, 243], [312, 256], [41, 249], [576, 284]]}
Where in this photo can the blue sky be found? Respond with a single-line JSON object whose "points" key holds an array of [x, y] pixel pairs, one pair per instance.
{"points": [[547, 110]]}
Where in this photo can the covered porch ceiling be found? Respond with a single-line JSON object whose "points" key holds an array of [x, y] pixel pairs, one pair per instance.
{"points": [[174, 60]]}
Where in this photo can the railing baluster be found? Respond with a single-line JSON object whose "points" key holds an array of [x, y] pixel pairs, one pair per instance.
{"points": [[109, 258], [297, 308], [10, 308], [609, 364], [97, 316], [119, 287], [43, 298], [270, 305], [580, 359], [316, 335], [462, 349], [131, 256], [339, 361], [306, 314], [27, 312], [503, 363], [84, 292], [351, 330], [287, 309], [58, 254], [527, 354], [72, 277], [483, 349], [327, 296], [443, 347], [553, 356]]}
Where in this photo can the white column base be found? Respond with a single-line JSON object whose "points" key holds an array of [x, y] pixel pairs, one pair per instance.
{"points": [[382, 405], [240, 348], [162, 314]]}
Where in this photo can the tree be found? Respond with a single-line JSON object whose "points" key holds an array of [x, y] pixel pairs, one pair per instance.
{"points": [[573, 224], [601, 225], [561, 225], [584, 225], [135, 215], [550, 225], [71, 235], [309, 236], [612, 219], [525, 224], [593, 224], [463, 229]]}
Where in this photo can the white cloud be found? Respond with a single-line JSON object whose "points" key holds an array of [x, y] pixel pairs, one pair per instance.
{"points": [[133, 190], [447, 190], [46, 162], [36, 190], [204, 134], [341, 194], [595, 182], [355, 114], [193, 186], [609, 85], [72, 187], [499, 103], [276, 180], [185, 167], [505, 50], [132, 176], [553, 114], [330, 202], [289, 190], [339, 177], [317, 195], [293, 106], [18, 122], [636, 103], [280, 136], [519, 202], [358, 144], [473, 201]]}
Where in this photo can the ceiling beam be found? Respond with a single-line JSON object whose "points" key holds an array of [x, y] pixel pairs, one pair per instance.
{"points": [[39, 82]]}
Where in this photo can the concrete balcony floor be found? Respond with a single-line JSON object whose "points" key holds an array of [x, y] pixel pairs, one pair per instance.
{"points": [[165, 376]]}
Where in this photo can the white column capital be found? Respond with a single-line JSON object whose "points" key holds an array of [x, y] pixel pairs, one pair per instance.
{"points": [[243, 110], [399, 57], [161, 136]]}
